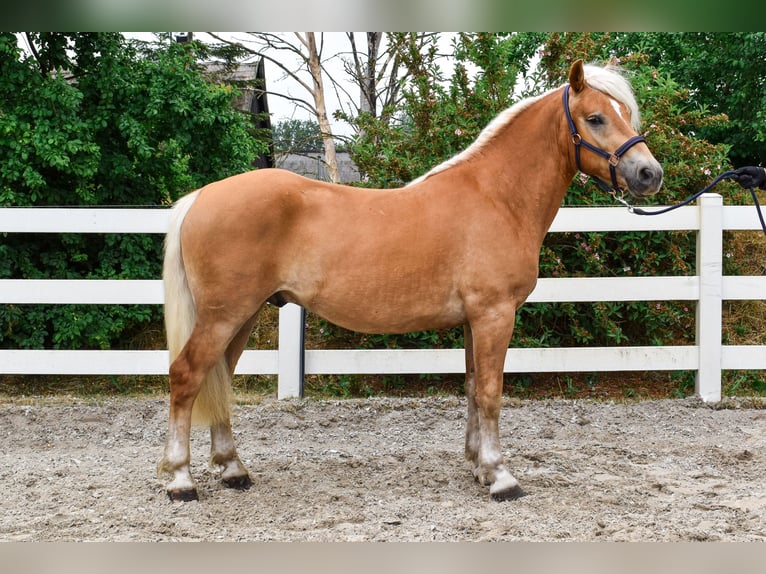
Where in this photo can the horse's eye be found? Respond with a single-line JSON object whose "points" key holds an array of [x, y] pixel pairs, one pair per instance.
{"points": [[595, 120]]}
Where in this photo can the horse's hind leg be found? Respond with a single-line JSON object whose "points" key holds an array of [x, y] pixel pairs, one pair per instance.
{"points": [[490, 335], [204, 349], [223, 451]]}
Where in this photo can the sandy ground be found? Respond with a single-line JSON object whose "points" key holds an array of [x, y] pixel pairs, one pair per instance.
{"points": [[389, 470]]}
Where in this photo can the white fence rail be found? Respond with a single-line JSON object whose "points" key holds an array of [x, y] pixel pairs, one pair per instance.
{"points": [[708, 288]]}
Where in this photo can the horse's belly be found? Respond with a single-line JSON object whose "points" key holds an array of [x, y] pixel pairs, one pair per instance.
{"points": [[393, 315]]}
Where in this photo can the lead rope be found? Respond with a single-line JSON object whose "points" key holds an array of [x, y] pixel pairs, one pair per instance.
{"points": [[725, 175]]}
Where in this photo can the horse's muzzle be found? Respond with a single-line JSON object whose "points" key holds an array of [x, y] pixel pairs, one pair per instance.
{"points": [[645, 179]]}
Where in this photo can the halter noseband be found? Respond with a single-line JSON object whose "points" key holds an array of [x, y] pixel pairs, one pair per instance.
{"points": [[612, 158]]}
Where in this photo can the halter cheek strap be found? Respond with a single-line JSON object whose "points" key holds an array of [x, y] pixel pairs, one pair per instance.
{"points": [[612, 158]]}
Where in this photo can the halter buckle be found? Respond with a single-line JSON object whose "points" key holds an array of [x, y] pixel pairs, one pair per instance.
{"points": [[576, 138], [614, 160]]}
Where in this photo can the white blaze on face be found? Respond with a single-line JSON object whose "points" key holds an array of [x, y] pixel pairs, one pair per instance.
{"points": [[616, 106]]}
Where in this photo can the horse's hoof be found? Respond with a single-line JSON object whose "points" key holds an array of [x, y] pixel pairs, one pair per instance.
{"points": [[508, 494], [186, 495], [238, 482]]}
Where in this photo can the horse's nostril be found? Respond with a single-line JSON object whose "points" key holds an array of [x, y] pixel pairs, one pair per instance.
{"points": [[646, 175], [650, 177]]}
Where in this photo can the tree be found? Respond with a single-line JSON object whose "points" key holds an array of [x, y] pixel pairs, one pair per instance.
{"points": [[303, 48], [90, 119], [379, 73], [375, 69], [315, 67], [366, 73], [295, 136], [724, 73], [436, 117]]}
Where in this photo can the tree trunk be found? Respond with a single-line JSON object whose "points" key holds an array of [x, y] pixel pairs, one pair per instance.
{"points": [[324, 125], [368, 83]]}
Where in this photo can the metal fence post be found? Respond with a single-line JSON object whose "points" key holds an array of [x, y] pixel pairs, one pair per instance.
{"points": [[710, 305], [292, 320]]}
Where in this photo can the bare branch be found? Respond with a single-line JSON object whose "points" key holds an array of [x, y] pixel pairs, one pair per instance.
{"points": [[273, 41], [36, 54], [299, 102], [303, 39]]}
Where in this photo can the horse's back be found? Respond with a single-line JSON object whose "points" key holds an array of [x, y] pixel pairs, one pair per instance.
{"points": [[276, 197], [260, 185]]}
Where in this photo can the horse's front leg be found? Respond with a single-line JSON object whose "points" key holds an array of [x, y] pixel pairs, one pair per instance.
{"points": [[489, 337], [472, 424]]}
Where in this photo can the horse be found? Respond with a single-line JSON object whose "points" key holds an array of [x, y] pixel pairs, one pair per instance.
{"points": [[458, 246]]}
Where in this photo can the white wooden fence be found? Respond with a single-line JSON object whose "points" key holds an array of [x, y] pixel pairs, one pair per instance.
{"points": [[708, 357]]}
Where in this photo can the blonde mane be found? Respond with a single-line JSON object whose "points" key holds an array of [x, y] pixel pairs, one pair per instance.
{"points": [[608, 79]]}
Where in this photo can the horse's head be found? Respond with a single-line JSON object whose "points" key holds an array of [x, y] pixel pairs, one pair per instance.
{"points": [[603, 119]]}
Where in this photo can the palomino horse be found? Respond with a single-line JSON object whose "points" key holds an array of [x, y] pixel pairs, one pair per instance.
{"points": [[458, 246]]}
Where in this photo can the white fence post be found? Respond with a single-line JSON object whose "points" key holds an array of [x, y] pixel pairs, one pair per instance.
{"points": [[290, 354], [710, 305]]}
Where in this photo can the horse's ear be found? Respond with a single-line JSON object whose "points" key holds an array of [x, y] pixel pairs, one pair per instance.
{"points": [[577, 76]]}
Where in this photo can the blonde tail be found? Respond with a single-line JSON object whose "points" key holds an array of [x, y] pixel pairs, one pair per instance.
{"points": [[212, 403]]}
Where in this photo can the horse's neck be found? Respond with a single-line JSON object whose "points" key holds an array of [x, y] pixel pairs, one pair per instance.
{"points": [[529, 165]]}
